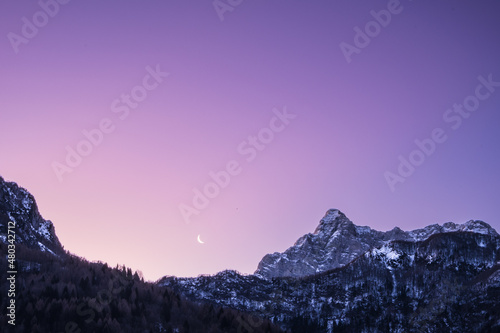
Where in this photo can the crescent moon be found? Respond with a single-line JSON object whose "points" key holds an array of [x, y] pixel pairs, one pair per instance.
{"points": [[199, 240]]}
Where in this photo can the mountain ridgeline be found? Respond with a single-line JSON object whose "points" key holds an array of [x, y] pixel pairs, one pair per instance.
{"points": [[340, 278], [337, 241]]}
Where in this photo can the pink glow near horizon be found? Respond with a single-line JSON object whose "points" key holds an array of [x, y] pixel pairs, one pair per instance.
{"points": [[93, 79]]}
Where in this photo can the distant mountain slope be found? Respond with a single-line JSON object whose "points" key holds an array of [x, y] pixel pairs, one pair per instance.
{"points": [[19, 206]]}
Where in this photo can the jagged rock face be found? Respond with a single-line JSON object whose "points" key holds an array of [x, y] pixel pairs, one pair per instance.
{"points": [[337, 241], [334, 243], [19, 206]]}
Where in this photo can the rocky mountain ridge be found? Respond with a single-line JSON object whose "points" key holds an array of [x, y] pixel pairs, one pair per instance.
{"points": [[31, 229], [337, 241]]}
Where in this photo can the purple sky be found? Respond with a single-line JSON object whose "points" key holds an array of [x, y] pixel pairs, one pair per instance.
{"points": [[352, 114]]}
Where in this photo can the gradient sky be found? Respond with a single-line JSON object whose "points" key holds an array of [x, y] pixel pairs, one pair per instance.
{"points": [[353, 121]]}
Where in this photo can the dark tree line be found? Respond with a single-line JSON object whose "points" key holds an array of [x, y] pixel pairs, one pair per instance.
{"points": [[70, 294]]}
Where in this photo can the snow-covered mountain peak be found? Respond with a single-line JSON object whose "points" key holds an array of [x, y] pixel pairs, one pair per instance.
{"points": [[332, 214], [333, 220], [479, 227], [337, 241]]}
